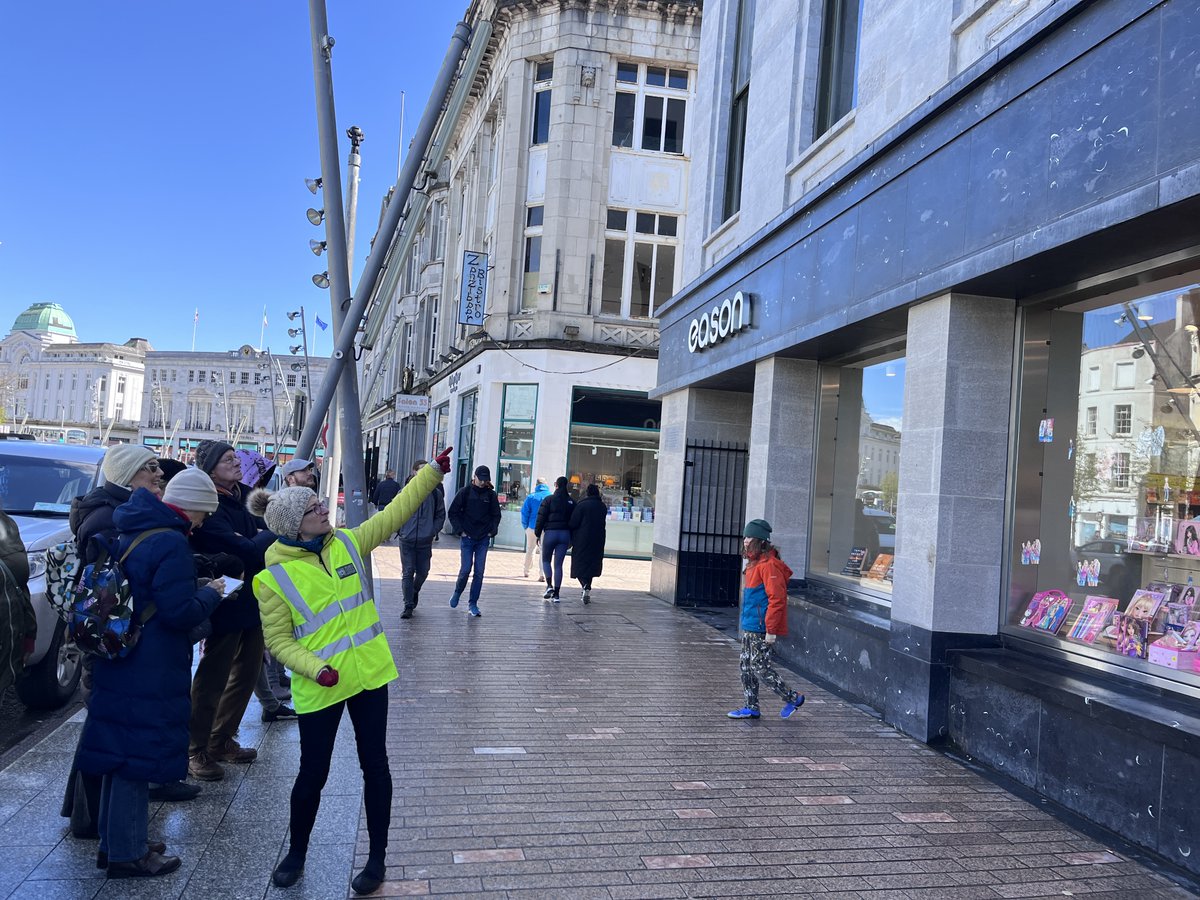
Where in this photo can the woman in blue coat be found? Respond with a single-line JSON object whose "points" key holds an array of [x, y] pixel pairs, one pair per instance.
{"points": [[137, 725]]}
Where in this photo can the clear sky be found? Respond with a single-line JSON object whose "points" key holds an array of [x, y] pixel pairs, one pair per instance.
{"points": [[154, 157]]}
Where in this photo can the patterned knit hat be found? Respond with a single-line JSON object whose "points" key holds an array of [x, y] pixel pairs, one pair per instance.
{"points": [[282, 510], [209, 453]]}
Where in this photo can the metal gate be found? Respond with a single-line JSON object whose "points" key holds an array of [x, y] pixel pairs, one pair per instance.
{"points": [[710, 536]]}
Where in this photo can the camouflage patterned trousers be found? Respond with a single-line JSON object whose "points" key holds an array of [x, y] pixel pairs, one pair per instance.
{"points": [[756, 666]]}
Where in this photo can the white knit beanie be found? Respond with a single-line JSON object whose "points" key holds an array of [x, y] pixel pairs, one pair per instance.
{"points": [[192, 490], [123, 462]]}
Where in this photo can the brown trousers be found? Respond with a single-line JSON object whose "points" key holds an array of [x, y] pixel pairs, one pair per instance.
{"points": [[222, 687]]}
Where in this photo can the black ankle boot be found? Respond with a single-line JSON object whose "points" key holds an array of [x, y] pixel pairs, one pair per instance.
{"points": [[289, 870], [370, 878]]}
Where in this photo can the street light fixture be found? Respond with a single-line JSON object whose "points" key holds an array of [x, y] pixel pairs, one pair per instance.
{"points": [[296, 348], [293, 332], [321, 280], [313, 184], [317, 247], [316, 216]]}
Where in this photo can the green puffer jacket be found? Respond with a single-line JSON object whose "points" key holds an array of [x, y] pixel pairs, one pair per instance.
{"points": [[18, 626]]}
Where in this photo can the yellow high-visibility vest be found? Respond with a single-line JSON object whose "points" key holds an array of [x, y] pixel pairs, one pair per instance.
{"points": [[335, 617]]}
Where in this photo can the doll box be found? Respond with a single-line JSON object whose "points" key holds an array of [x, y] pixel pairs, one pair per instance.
{"points": [[1172, 658]]}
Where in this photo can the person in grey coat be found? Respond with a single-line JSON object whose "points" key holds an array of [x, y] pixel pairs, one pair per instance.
{"points": [[416, 542]]}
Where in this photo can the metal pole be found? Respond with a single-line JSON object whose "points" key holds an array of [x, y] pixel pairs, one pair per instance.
{"points": [[348, 420], [344, 341]]}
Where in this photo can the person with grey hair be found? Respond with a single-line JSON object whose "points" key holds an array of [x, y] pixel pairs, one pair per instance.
{"points": [[320, 620]]}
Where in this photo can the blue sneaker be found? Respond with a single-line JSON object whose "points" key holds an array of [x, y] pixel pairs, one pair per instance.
{"points": [[473, 611], [454, 598], [788, 709], [744, 713]]}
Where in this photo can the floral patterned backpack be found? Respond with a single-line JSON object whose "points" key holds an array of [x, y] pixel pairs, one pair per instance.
{"points": [[62, 572]]}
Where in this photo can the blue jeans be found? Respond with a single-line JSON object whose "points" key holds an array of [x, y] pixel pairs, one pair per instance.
{"points": [[554, 546], [124, 812], [474, 555]]}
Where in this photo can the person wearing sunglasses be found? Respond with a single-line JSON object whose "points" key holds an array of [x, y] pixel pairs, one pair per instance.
{"points": [[320, 620]]}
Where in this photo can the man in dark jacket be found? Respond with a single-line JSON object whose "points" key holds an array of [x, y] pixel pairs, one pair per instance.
{"points": [[475, 515], [416, 539], [233, 654], [385, 492], [553, 529]]}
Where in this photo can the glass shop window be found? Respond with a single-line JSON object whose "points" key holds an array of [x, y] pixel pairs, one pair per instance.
{"points": [[858, 476], [1104, 559]]}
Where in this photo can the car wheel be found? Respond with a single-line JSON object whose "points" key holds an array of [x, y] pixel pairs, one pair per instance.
{"points": [[54, 680]]}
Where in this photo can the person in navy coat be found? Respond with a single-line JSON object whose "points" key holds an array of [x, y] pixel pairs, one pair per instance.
{"points": [[137, 725]]}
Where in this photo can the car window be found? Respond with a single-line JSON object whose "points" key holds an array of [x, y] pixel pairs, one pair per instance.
{"points": [[29, 484]]}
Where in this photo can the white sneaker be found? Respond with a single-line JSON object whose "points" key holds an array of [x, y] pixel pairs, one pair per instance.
{"points": [[587, 597], [549, 593]]}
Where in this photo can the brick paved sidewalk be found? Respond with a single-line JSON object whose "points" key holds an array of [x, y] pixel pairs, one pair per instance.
{"points": [[576, 751]]}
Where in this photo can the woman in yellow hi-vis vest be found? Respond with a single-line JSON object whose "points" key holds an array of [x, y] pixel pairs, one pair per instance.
{"points": [[319, 620]]}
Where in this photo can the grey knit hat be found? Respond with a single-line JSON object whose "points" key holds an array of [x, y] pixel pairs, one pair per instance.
{"points": [[192, 490], [282, 510], [209, 453], [124, 461]]}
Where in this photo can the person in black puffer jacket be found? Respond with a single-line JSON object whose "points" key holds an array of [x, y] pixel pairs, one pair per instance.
{"points": [[475, 515], [553, 529], [233, 654]]}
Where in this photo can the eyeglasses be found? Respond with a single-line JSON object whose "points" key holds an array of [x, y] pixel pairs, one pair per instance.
{"points": [[319, 508], [151, 466]]}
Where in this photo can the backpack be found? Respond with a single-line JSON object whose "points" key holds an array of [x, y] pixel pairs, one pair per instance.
{"points": [[102, 623], [62, 573]]}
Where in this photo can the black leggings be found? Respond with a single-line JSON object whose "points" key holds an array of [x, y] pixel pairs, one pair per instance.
{"points": [[318, 730]]}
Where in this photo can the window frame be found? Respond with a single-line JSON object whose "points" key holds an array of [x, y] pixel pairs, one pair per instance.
{"points": [[640, 91], [835, 56], [543, 81], [630, 238]]}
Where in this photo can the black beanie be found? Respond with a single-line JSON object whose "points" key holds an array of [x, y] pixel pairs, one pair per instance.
{"points": [[209, 453]]}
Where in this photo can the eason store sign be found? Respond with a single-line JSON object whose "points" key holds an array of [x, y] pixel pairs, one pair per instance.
{"points": [[720, 322]]}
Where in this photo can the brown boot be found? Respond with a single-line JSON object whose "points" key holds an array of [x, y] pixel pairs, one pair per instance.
{"points": [[232, 751], [202, 766], [148, 866]]}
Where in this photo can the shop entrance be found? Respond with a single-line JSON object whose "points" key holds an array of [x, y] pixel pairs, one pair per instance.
{"points": [[710, 536]]}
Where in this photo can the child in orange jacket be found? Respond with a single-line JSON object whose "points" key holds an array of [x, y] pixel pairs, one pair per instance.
{"points": [[764, 618]]}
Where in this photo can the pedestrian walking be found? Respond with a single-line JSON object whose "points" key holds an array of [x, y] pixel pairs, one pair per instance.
{"points": [[553, 529], [387, 489], [137, 725], [587, 540], [475, 517], [416, 541], [322, 623], [233, 653], [764, 618], [529, 513]]}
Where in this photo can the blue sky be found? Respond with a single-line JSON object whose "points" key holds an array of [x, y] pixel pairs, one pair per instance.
{"points": [[154, 157]]}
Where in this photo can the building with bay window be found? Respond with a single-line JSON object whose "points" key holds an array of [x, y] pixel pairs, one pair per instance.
{"points": [[565, 171], [968, 237]]}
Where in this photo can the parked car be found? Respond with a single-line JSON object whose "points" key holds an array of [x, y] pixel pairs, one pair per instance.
{"points": [[37, 484]]}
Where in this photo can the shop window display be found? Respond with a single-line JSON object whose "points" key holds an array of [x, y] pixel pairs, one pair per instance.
{"points": [[857, 476], [1112, 501]]}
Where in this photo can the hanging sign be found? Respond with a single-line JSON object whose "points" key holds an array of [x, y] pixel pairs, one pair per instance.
{"points": [[473, 297], [412, 403]]}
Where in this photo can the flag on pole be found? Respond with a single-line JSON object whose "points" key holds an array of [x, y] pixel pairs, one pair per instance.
{"points": [[264, 317], [320, 324], [196, 317]]}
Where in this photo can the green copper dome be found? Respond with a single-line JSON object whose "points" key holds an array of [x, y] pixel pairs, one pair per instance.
{"points": [[45, 317]]}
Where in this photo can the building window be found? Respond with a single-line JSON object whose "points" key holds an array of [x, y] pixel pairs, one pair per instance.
{"points": [[534, 217], [1123, 376], [740, 101], [434, 317], [650, 108], [441, 428], [837, 80], [1120, 471], [1093, 378], [120, 385], [465, 446], [1089, 422], [291, 380], [858, 471], [517, 419], [245, 378], [1122, 420], [638, 274], [543, 75]]}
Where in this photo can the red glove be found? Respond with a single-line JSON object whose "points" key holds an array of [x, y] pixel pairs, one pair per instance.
{"points": [[443, 460], [327, 677]]}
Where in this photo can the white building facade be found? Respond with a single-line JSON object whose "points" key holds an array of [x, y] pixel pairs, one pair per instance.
{"points": [[568, 168]]}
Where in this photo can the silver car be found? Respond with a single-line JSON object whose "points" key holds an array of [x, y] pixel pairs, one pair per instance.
{"points": [[37, 484]]}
